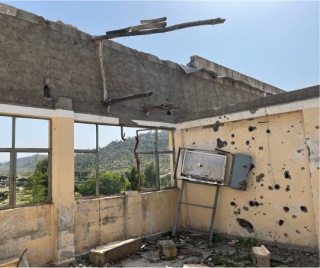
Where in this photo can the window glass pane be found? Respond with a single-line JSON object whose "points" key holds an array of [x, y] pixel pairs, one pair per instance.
{"points": [[147, 139], [4, 178], [5, 132], [32, 178], [163, 140], [84, 177], [148, 170], [32, 133], [165, 170], [84, 136]]}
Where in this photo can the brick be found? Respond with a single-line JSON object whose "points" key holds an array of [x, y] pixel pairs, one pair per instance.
{"points": [[114, 251], [261, 256]]}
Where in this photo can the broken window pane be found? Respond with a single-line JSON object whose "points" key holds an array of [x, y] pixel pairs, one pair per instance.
{"points": [[32, 133], [85, 174], [147, 140], [84, 136], [32, 178], [4, 178], [148, 170], [5, 132], [165, 168], [163, 140]]}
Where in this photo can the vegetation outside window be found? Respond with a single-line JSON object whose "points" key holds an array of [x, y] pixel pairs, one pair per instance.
{"points": [[105, 162], [25, 161]]}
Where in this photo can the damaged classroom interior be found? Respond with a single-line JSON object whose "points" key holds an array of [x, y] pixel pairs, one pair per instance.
{"points": [[209, 167]]}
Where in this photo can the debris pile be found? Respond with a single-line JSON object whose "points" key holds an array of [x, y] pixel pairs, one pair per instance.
{"points": [[193, 249]]}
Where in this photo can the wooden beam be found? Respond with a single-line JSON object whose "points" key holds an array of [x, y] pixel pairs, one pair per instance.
{"points": [[153, 20], [157, 25], [164, 30], [129, 97]]}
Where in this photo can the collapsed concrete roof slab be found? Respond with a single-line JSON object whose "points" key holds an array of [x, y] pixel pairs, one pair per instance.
{"points": [[44, 61]]}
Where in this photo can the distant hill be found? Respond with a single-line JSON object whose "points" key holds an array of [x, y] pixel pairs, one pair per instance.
{"points": [[119, 155], [116, 156]]}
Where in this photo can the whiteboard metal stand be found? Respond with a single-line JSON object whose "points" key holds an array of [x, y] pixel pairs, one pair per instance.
{"points": [[184, 181]]}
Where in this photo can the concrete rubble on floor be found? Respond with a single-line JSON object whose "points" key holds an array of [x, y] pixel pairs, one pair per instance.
{"points": [[194, 250], [115, 251]]}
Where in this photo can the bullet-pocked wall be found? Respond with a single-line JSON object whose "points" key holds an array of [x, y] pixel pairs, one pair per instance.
{"points": [[281, 202]]}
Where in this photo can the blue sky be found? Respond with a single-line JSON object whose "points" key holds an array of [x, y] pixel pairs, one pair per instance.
{"points": [[276, 42]]}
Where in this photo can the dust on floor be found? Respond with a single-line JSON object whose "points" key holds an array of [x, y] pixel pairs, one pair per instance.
{"points": [[224, 252]]}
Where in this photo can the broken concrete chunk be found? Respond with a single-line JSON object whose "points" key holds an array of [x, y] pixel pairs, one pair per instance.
{"points": [[168, 248], [261, 256], [114, 251], [194, 265]]}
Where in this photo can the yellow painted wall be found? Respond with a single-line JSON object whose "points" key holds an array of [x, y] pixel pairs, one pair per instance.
{"points": [[311, 124], [286, 206], [27, 227], [100, 221]]}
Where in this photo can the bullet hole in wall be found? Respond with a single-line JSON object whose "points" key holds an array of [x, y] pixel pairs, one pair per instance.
{"points": [[233, 204], [232, 143], [299, 151], [270, 188], [251, 128], [187, 130], [268, 131], [288, 188], [304, 209], [194, 142], [238, 212], [253, 203], [259, 177], [277, 187], [287, 174], [221, 144], [281, 222], [298, 232], [261, 196], [246, 224], [302, 168], [261, 148], [253, 138], [245, 208], [46, 92], [217, 125], [232, 135], [294, 216], [286, 209], [317, 127], [252, 166], [247, 142], [285, 234]]}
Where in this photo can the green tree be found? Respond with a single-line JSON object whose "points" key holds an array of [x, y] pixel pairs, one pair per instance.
{"points": [[150, 176], [36, 186], [165, 181], [132, 177], [110, 182], [34, 189]]}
